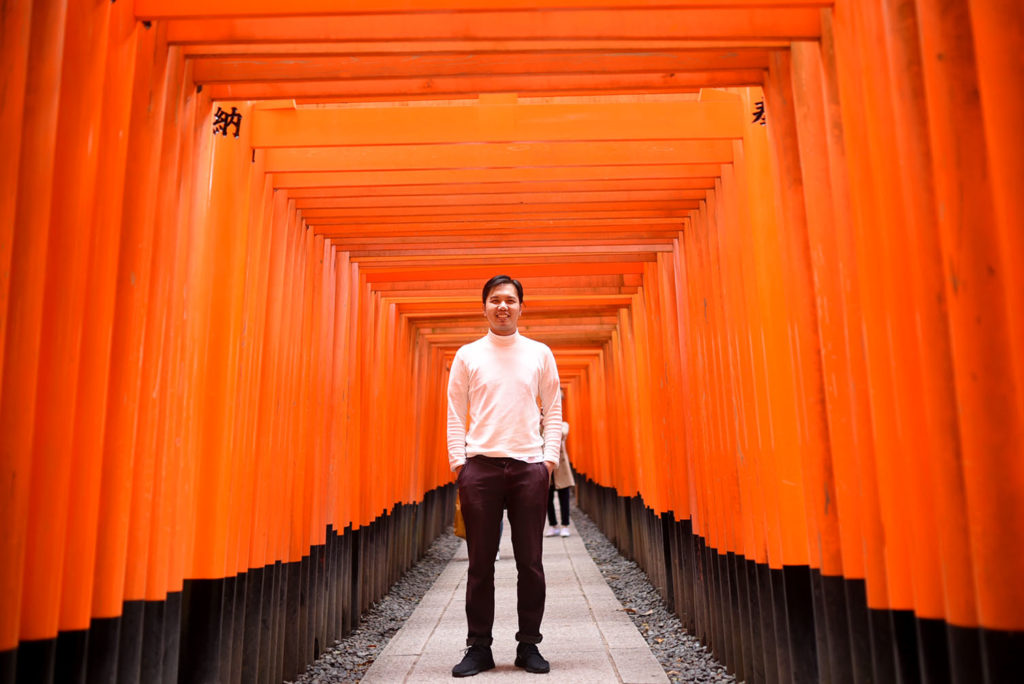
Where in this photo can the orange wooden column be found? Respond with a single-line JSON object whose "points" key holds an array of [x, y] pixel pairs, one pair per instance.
{"points": [[126, 330], [863, 478], [978, 287], [954, 598], [737, 296], [263, 549], [676, 481], [265, 222], [15, 42], [67, 275], [829, 232], [997, 28], [24, 308], [806, 346], [214, 306], [343, 336], [159, 420], [119, 39]]}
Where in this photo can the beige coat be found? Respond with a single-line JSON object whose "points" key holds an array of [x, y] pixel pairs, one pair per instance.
{"points": [[563, 472]]}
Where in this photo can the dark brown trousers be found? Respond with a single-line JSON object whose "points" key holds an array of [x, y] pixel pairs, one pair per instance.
{"points": [[486, 486]]}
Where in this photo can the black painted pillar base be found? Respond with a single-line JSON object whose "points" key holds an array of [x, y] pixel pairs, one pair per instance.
{"points": [[8, 666], [858, 623], [1002, 655], [36, 661], [883, 656], [202, 609], [905, 645], [793, 624], [836, 622], [264, 625], [133, 622], [72, 656]]}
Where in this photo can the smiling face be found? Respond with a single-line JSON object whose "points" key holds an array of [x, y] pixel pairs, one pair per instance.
{"points": [[502, 309]]}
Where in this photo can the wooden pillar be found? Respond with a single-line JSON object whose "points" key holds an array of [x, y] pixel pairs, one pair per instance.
{"points": [[28, 242], [979, 287], [79, 101]]}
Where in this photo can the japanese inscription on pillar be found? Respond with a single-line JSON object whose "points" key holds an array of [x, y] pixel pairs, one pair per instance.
{"points": [[222, 121], [759, 115]]}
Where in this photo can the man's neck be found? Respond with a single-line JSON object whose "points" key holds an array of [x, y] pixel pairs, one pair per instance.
{"points": [[502, 339]]}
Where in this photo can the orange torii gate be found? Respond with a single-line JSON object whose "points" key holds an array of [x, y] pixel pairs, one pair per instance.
{"points": [[241, 241]]}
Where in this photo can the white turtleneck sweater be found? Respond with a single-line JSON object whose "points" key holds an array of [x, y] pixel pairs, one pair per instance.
{"points": [[498, 387]]}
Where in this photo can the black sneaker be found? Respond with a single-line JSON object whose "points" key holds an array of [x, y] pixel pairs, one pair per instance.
{"points": [[476, 660], [529, 658]]}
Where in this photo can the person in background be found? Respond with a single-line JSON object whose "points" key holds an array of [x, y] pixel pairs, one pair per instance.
{"points": [[561, 483], [503, 452]]}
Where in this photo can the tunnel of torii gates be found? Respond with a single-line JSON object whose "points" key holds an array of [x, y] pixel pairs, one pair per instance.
{"points": [[775, 245]]}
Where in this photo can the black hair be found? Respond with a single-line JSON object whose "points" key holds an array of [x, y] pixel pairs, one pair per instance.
{"points": [[501, 280]]}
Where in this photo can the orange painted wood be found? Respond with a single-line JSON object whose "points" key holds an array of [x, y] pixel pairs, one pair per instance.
{"points": [[700, 23], [117, 31], [977, 287], [79, 99], [849, 175], [14, 49], [251, 543], [483, 177], [467, 226], [24, 313], [785, 509], [135, 260], [243, 50], [415, 157], [153, 9], [217, 263], [493, 123], [415, 214], [407, 193], [542, 199], [154, 501], [814, 439], [998, 28], [780, 334], [828, 226], [385, 64], [262, 550], [741, 401], [950, 559], [177, 510]]}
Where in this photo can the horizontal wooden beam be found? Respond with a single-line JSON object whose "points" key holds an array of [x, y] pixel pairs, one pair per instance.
{"points": [[435, 87], [483, 240], [624, 291], [465, 226], [442, 203], [328, 218], [167, 9], [385, 66], [401, 215], [484, 176], [516, 268], [497, 123], [694, 23], [555, 283], [498, 155], [576, 251], [414, 48], [409, 193]]}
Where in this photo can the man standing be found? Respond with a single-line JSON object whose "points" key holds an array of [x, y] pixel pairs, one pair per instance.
{"points": [[504, 438]]}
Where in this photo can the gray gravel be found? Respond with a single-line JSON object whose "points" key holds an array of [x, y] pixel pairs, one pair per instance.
{"points": [[683, 656], [349, 659]]}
